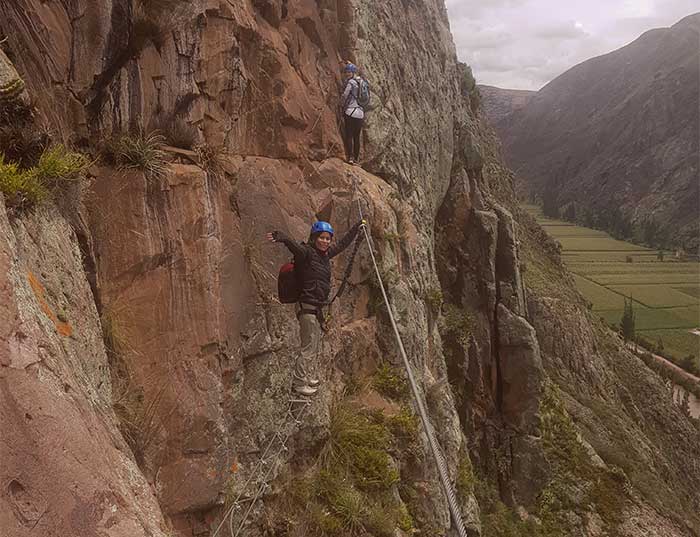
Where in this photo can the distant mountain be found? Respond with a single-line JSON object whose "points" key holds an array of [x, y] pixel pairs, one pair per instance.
{"points": [[500, 102], [613, 141]]}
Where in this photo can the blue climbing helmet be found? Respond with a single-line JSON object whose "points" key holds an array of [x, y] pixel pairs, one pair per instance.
{"points": [[350, 68], [320, 227]]}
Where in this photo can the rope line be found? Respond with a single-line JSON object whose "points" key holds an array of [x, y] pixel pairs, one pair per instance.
{"points": [[434, 446]]}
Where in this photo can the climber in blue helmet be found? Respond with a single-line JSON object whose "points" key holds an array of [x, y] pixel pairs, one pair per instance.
{"points": [[313, 262], [352, 111]]}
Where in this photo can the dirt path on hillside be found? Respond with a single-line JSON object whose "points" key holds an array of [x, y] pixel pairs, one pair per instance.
{"points": [[693, 400]]}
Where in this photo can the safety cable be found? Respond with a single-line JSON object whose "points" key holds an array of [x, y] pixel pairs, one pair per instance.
{"points": [[434, 446]]}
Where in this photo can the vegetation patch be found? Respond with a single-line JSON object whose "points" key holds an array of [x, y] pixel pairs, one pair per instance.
{"points": [[497, 520], [457, 324], [140, 418], [391, 382], [466, 481], [434, 298], [351, 489], [142, 151], [655, 295], [25, 188], [664, 290], [690, 290], [598, 295], [605, 489], [21, 188], [210, 158]]}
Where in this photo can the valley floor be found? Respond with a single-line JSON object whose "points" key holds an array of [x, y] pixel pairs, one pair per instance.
{"points": [[665, 293]]}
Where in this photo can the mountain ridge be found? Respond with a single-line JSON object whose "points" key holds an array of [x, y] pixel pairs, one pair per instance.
{"points": [[618, 131]]}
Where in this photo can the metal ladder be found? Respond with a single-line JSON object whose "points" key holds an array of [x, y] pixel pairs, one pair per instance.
{"points": [[237, 515]]}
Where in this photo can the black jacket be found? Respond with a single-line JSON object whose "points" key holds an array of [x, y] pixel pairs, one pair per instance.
{"points": [[315, 265]]}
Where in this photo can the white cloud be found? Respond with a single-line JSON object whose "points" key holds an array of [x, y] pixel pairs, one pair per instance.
{"points": [[526, 43], [563, 31]]}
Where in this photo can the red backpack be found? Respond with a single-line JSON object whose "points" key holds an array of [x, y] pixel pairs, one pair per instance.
{"points": [[289, 284]]}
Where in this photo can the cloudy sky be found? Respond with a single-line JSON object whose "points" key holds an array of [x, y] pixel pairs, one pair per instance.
{"points": [[523, 44]]}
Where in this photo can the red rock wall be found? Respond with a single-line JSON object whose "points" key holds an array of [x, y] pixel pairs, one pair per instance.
{"points": [[65, 467], [260, 78]]}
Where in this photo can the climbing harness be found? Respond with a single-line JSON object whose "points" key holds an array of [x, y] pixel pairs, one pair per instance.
{"points": [[430, 433], [258, 480], [308, 309]]}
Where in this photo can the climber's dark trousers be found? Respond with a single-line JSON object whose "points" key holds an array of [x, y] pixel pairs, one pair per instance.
{"points": [[351, 137]]}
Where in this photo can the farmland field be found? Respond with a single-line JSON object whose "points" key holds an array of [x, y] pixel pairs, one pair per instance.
{"points": [[665, 294], [592, 244]]}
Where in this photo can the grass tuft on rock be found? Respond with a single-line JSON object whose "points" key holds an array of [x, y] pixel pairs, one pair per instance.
{"points": [[21, 188], [25, 188], [141, 151], [389, 381], [351, 490], [361, 445]]}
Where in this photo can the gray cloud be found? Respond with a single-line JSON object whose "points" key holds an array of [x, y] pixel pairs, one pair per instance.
{"points": [[526, 43]]}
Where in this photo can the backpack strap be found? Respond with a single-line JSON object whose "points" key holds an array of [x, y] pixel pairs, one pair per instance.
{"points": [[352, 93]]}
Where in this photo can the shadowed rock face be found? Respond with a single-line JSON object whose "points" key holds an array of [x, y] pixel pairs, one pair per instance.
{"points": [[500, 102], [184, 280], [619, 131]]}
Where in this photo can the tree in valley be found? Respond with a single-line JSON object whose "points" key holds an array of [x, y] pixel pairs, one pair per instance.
{"points": [[627, 321], [569, 212], [688, 363], [550, 208], [660, 346]]}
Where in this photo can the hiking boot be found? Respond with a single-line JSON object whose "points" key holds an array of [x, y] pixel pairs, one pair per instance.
{"points": [[303, 389], [305, 380]]}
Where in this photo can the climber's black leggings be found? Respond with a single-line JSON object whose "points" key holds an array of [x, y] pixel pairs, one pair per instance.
{"points": [[351, 137]]}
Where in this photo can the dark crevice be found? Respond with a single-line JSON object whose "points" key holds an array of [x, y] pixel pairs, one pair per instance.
{"points": [[87, 252], [118, 54], [496, 346]]}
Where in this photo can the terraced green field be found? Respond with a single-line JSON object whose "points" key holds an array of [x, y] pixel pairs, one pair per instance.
{"points": [[665, 294]]}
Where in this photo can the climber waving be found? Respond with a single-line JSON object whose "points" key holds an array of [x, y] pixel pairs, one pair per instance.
{"points": [[312, 271]]}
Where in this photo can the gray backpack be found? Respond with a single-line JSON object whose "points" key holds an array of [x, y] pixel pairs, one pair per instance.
{"points": [[361, 92], [364, 94]]}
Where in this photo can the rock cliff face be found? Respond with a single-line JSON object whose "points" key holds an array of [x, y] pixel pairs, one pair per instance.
{"points": [[178, 279], [618, 134], [498, 103]]}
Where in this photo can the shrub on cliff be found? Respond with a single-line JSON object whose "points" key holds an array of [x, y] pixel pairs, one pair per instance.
{"points": [[21, 188], [140, 151], [352, 489], [56, 169]]}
